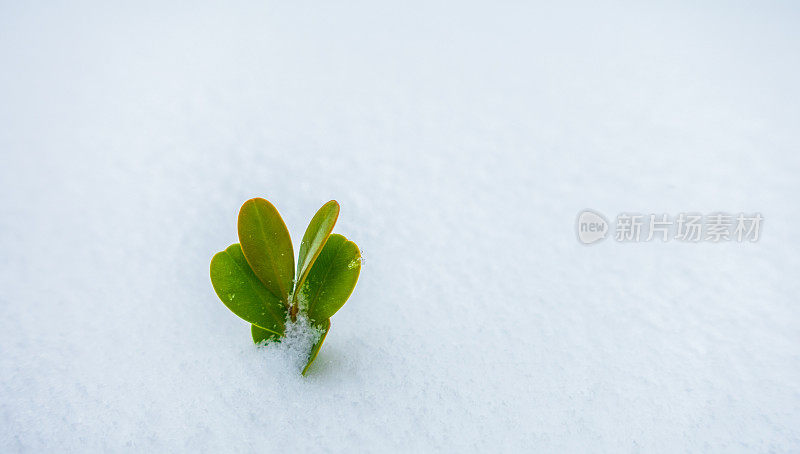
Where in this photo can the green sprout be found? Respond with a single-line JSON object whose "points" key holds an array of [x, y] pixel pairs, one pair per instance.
{"points": [[257, 280]]}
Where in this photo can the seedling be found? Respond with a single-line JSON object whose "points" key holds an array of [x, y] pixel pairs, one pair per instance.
{"points": [[257, 280]]}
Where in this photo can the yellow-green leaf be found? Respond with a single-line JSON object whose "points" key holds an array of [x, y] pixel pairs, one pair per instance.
{"points": [[260, 335], [314, 239], [331, 279], [243, 293], [326, 325], [267, 246]]}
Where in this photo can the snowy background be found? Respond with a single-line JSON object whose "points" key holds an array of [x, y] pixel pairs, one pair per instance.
{"points": [[461, 143]]}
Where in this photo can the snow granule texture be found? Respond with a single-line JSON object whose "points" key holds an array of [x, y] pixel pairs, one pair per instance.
{"points": [[461, 140], [294, 348]]}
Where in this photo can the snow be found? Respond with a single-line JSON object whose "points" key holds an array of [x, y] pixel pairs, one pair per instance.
{"points": [[461, 142], [294, 348]]}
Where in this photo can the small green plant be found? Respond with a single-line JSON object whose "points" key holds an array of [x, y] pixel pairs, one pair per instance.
{"points": [[257, 279]]}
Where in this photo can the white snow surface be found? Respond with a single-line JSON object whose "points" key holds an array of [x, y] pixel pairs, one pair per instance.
{"points": [[293, 349], [461, 140]]}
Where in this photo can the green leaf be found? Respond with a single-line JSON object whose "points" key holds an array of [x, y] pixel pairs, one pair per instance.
{"points": [[260, 335], [267, 246], [326, 325], [317, 233], [243, 293], [331, 279]]}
